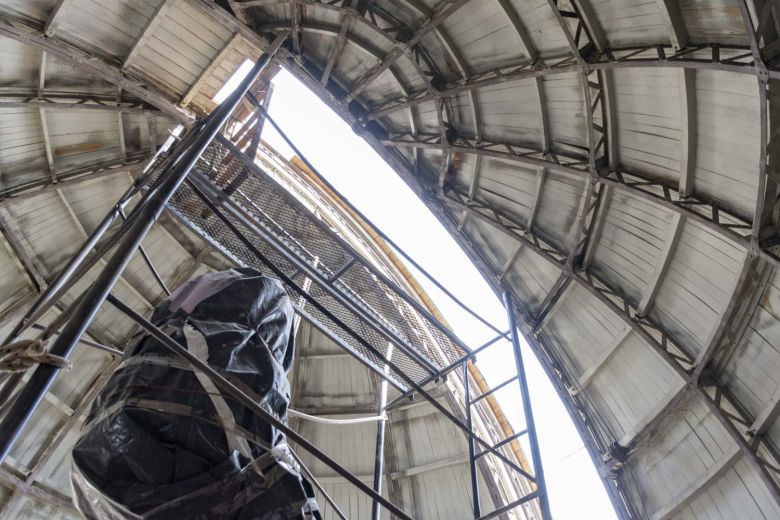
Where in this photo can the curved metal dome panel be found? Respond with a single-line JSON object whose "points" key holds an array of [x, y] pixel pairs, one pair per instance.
{"points": [[613, 163]]}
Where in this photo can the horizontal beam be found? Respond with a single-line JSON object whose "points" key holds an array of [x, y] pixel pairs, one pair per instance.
{"points": [[94, 66], [444, 10], [69, 103], [632, 57], [324, 357], [134, 166], [675, 357], [400, 474], [636, 184], [35, 492]]}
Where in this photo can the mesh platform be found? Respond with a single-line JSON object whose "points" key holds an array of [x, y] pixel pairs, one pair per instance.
{"points": [[321, 266]]}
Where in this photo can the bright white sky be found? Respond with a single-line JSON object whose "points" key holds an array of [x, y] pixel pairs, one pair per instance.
{"points": [[575, 490]]}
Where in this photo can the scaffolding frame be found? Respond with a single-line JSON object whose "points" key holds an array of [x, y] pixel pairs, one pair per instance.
{"points": [[190, 167]]}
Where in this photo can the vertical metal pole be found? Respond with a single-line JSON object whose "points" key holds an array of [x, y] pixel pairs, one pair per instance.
{"points": [[156, 199], [381, 426], [536, 457], [230, 389], [148, 261], [472, 454]]}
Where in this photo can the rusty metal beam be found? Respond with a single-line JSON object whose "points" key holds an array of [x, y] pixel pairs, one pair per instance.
{"points": [[95, 66]]}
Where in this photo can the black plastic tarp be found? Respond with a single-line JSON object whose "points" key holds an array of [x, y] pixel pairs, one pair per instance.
{"points": [[161, 441]]}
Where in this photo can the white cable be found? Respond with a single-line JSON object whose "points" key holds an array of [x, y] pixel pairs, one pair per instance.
{"points": [[356, 420]]}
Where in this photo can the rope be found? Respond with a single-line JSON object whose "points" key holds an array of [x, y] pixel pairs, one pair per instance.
{"points": [[24, 354]]}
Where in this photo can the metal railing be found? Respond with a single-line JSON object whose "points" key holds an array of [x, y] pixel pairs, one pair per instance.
{"points": [[229, 201]]}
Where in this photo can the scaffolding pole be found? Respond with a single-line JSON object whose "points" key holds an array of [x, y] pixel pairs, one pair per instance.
{"points": [[140, 222], [381, 428], [472, 458], [530, 425], [178, 168]]}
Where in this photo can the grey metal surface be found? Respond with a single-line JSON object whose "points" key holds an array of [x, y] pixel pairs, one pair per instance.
{"points": [[488, 113]]}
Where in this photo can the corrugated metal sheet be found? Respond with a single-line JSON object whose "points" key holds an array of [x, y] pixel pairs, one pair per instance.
{"points": [[691, 466]]}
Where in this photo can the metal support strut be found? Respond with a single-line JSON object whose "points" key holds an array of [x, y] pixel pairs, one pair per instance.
{"points": [[536, 457], [141, 221], [157, 186], [381, 427], [472, 450]]}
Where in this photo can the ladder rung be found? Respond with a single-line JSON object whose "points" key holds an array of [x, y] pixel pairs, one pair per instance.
{"points": [[493, 390], [502, 443]]}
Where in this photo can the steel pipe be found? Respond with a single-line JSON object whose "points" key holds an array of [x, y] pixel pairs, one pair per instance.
{"points": [[155, 201], [236, 393], [379, 454], [536, 456], [476, 508], [251, 246]]}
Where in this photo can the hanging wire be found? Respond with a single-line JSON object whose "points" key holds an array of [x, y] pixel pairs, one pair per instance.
{"points": [[375, 228]]}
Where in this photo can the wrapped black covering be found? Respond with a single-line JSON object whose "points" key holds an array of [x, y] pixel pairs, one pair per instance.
{"points": [[162, 442]]}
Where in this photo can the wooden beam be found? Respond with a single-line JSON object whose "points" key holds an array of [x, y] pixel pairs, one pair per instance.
{"points": [[650, 423], [70, 104], [209, 70], [22, 257], [297, 15], [745, 292], [120, 127], [687, 80], [662, 265], [544, 120], [324, 357], [610, 112], [154, 22], [338, 46], [42, 114], [55, 17], [509, 261], [555, 303], [514, 19], [70, 178], [767, 415], [587, 376], [36, 492], [151, 124], [541, 176], [431, 466], [685, 497], [672, 16], [47, 144], [42, 75], [92, 65], [401, 474]]}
